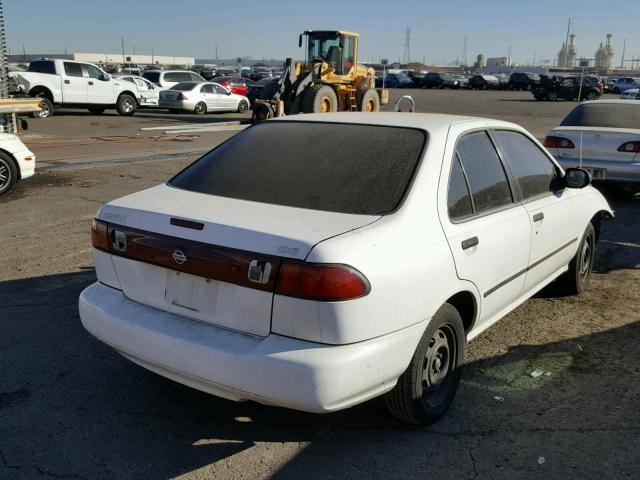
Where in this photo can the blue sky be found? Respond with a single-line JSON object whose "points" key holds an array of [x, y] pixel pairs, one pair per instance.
{"points": [[270, 28]]}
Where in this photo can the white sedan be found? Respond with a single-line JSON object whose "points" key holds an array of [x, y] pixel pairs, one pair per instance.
{"points": [[273, 271], [17, 162], [202, 97], [631, 94], [147, 94]]}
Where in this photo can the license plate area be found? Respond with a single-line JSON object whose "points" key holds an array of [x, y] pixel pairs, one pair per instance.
{"points": [[191, 292], [597, 173]]}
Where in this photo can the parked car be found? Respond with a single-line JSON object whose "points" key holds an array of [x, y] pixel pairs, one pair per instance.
{"points": [[483, 82], [147, 94], [202, 97], [567, 88], [132, 69], [440, 80], [75, 84], [609, 83], [463, 80], [523, 81], [17, 162], [206, 72], [417, 78], [631, 94], [253, 91], [503, 80], [625, 83], [395, 80], [237, 85], [298, 281], [169, 78], [602, 137]]}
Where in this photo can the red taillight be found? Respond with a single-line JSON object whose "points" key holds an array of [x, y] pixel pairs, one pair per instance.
{"points": [[557, 142], [181, 96], [100, 234], [321, 282], [630, 147]]}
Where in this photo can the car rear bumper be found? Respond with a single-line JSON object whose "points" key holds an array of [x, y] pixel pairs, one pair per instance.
{"points": [[177, 104], [273, 370]]}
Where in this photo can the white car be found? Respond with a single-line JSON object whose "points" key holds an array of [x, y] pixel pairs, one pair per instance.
{"points": [[169, 78], [201, 98], [319, 261], [17, 162], [603, 137], [631, 94], [147, 94]]}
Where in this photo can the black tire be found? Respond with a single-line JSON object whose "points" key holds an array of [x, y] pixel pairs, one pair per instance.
{"points": [[8, 173], [616, 90], [269, 90], [423, 392], [369, 101], [552, 96], [126, 105], [592, 96], [97, 110], [200, 108], [576, 279], [319, 99], [47, 108], [243, 106]]}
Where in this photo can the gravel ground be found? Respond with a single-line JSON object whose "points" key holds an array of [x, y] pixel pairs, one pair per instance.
{"points": [[70, 407]]}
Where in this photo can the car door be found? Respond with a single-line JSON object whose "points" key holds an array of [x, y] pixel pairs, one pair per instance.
{"points": [[74, 84], [548, 203], [224, 100], [488, 231], [149, 94], [99, 86], [210, 97]]}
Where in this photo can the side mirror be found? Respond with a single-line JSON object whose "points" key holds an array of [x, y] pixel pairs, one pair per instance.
{"points": [[577, 178], [105, 77], [228, 92]]}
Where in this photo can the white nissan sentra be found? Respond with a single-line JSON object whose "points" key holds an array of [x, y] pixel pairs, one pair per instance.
{"points": [[318, 261]]}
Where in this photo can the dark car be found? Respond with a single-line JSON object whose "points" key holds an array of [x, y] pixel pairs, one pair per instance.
{"points": [[567, 88], [396, 80], [253, 91], [483, 82], [523, 81], [417, 78], [440, 80]]}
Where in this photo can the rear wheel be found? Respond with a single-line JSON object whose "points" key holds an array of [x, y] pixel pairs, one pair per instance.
{"points": [[46, 108], [427, 388], [97, 110], [200, 108], [243, 106], [592, 96], [319, 99], [552, 96], [369, 101], [126, 105], [576, 279], [8, 173]]}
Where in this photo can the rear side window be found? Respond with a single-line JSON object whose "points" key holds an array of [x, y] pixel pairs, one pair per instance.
{"points": [[208, 88], [347, 168], [484, 172], [458, 197], [536, 174], [178, 77], [42, 66], [195, 77], [610, 115], [152, 76], [184, 86], [73, 69]]}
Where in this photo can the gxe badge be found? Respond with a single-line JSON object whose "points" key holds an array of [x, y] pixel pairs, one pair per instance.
{"points": [[179, 257]]}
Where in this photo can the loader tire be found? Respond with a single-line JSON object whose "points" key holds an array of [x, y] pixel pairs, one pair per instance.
{"points": [[370, 101], [319, 99], [269, 90]]}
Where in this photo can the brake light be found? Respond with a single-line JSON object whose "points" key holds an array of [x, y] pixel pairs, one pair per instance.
{"points": [[557, 142], [100, 234], [181, 96], [321, 282], [630, 147]]}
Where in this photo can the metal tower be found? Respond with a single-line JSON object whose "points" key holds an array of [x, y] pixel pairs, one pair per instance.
{"points": [[406, 56], [4, 72]]}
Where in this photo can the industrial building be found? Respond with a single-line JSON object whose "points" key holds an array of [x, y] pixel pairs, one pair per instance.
{"points": [[133, 58]]}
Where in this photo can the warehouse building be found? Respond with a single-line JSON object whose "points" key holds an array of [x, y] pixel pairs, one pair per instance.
{"points": [[137, 59]]}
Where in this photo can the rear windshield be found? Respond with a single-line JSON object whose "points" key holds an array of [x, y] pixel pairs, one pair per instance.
{"points": [[184, 86], [611, 115], [347, 168], [152, 76]]}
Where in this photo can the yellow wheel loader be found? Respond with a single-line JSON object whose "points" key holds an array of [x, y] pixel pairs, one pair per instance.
{"points": [[330, 80]]}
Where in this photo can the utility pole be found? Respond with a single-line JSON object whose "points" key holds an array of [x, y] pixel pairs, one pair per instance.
{"points": [[566, 45], [464, 52], [216, 54], [624, 47], [24, 55], [407, 45], [123, 59]]}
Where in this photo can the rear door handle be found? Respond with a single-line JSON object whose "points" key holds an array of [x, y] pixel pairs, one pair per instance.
{"points": [[538, 216], [67, 82], [470, 242], [90, 83]]}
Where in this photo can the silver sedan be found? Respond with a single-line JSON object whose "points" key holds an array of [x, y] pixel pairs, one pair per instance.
{"points": [[202, 97], [603, 137]]}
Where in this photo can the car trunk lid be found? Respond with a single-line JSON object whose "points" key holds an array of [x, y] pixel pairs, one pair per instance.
{"points": [[595, 143], [211, 258]]}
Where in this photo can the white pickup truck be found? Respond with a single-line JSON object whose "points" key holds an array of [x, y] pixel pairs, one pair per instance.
{"points": [[75, 84]]}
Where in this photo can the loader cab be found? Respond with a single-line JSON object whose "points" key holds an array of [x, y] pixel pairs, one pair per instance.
{"points": [[338, 49]]}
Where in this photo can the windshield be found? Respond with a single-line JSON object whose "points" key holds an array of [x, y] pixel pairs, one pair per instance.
{"points": [[286, 163], [608, 115], [321, 45]]}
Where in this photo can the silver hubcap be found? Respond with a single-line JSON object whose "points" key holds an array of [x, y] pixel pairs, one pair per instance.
{"points": [[45, 112], [5, 174], [586, 257], [243, 106], [199, 108], [127, 106]]}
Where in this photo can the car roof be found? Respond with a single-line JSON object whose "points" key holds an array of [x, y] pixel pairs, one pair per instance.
{"points": [[424, 121]]}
